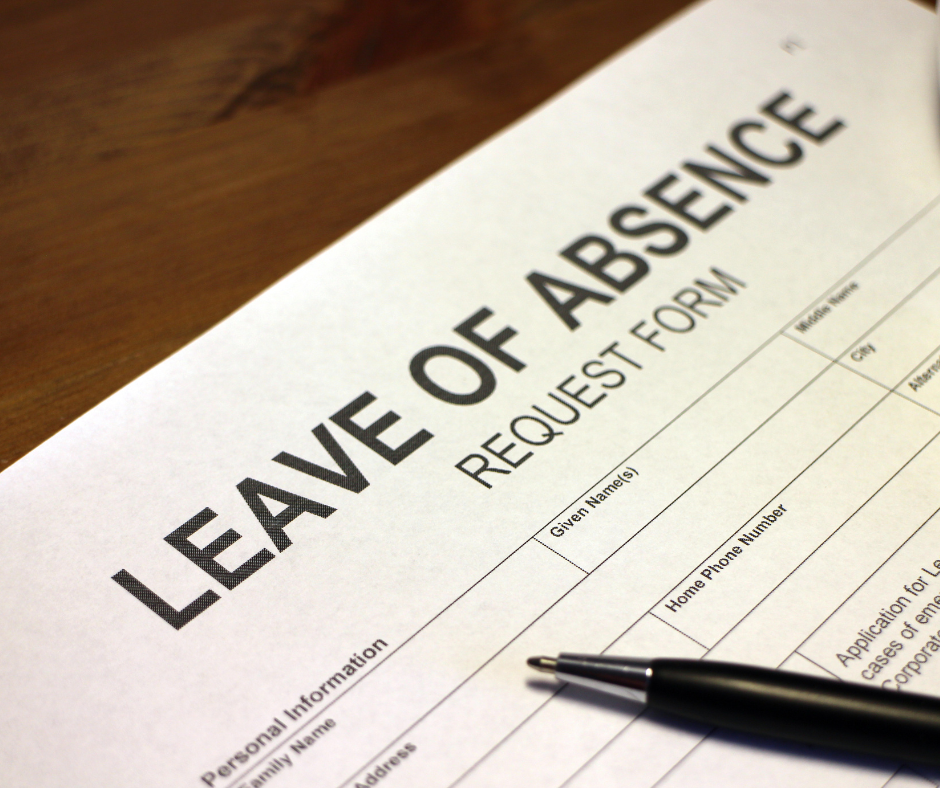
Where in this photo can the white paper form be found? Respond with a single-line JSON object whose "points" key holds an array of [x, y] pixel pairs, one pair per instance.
{"points": [[656, 371]]}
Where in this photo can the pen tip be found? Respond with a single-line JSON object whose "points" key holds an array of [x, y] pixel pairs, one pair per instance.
{"points": [[544, 664]]}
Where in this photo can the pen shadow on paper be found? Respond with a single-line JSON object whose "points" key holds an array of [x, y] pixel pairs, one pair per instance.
{"points": [[739, 744]]}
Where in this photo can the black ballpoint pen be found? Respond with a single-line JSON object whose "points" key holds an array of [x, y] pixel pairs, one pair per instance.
{"points": [[792, 706]]}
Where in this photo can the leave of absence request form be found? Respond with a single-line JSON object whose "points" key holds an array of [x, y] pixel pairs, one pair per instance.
{"points": [[655, 371]]}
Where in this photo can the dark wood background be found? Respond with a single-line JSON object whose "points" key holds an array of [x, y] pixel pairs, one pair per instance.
{"points": [[163, 162]]}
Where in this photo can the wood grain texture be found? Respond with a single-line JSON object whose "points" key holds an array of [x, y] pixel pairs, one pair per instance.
{"points": [[163, 162]]}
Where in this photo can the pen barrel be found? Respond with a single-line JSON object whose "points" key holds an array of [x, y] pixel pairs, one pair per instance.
{"points": [[799, 708]]}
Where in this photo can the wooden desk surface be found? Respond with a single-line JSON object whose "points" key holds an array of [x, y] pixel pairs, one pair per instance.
{"points": [[163, 162]]}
